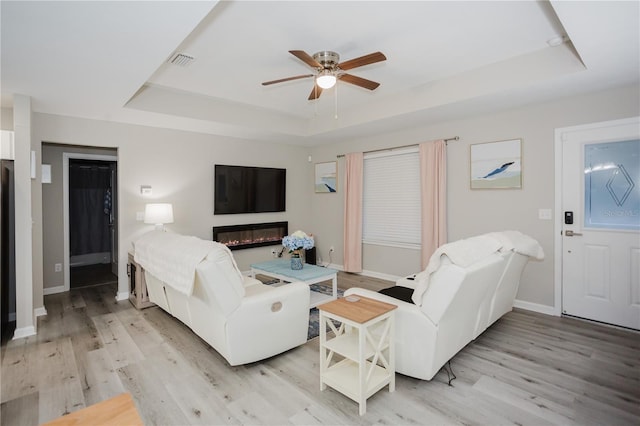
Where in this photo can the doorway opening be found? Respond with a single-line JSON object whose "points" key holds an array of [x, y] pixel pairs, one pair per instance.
{"points": [[56, 222], [91, 188], [7, 251]]}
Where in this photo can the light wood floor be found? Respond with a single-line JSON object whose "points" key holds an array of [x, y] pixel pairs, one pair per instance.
{"points": [[527, 369]]}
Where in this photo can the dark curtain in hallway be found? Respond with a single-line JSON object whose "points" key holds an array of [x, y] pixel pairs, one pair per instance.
{"points": [[89, 207]]}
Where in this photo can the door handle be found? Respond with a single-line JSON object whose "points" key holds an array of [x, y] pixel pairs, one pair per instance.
{"points": [[570, 233]]}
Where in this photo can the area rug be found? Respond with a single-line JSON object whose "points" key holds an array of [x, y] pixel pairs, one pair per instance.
{"points": [[314, 316]]}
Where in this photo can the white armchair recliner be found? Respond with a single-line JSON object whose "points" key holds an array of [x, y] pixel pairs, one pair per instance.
{"points": [[241, 318], [459, 295]]}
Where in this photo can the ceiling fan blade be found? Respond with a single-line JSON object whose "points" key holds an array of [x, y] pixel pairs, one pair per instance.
{"points": [[315, 92], [306, 58], [359, 81], [371, 58], [297, 77]]}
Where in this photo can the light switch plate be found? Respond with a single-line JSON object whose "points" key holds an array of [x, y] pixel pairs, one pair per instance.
{"points": [[46, 173], [544, 214], [139, 216]]}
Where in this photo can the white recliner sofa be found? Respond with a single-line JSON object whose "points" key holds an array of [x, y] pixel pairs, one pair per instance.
{"points": [[199, 283], [466, 287]]}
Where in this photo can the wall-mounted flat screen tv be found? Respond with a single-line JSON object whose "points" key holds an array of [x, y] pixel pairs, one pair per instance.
{"points": [[239, 189]]}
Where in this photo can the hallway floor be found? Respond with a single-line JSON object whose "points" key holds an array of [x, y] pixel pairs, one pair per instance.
{"points": [[88, 275]]}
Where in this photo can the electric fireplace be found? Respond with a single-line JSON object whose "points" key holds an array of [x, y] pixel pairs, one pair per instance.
{"points": [[238, 237]]}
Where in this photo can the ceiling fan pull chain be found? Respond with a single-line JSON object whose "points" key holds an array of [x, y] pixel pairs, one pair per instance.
{"points": [[335, 116]]}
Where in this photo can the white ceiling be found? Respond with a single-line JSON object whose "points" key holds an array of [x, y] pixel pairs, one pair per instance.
{"points": [[445, 60]]}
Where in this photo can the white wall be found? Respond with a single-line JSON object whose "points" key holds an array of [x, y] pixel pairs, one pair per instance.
{"points": [[6, 118], [471, 212], [6, 145], [179, 167]]}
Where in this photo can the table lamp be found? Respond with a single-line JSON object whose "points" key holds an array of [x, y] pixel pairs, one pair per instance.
{"points": [[158, 214]]}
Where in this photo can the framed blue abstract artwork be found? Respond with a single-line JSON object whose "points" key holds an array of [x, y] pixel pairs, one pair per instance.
{"points": [[326, 177], [497, 165]]}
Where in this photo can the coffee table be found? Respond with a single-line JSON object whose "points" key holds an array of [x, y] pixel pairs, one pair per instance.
{"points": [[309, 274]]}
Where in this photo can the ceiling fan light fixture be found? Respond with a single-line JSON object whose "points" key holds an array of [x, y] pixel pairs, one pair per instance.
{"points": [[328, 68], [326, 79]]}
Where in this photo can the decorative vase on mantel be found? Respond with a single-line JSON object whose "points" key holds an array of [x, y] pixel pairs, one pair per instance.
{"points": [[296, 261]]}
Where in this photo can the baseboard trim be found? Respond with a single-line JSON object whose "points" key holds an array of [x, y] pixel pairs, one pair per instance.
{"points": [[53, 290], [122, 295], [23, 332], [380, 275], [535, 307], [41, 311]]}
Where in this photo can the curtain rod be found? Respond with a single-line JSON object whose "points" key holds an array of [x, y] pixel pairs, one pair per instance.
{"points": [[455, 138]]}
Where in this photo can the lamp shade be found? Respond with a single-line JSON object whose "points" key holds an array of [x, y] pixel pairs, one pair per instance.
{"points": [[158, 213]]}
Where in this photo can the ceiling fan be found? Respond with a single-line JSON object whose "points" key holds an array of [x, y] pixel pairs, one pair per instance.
{"points": [[329, 70]]}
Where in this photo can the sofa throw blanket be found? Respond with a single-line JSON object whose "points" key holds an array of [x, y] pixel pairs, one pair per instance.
{"points": [[172, 258], [518, 242], [462, 253]]}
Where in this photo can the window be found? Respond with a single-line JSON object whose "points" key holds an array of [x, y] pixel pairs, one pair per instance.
{"points": [[391, 198], [611, 198]]}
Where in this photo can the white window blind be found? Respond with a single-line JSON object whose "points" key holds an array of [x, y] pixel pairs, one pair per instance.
{"points": [[391, 198]]}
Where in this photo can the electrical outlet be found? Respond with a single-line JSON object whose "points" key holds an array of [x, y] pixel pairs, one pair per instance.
{"points": [[58, 267], [331, 249]]}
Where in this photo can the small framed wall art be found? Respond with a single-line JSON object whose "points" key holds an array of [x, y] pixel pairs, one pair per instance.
{"points": [[496, 165], [326, 177]]}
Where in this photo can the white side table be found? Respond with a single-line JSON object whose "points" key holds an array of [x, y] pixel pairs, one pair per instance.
{"points": [[364, 341]]}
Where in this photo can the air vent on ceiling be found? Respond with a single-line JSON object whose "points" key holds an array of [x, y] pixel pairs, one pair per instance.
{"points": [[181, 60]]}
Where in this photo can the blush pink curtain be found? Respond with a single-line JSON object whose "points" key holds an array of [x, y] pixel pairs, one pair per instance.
{"points": [[433, 186], [353, 212]]}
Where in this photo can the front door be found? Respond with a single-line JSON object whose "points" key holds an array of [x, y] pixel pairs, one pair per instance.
{"points": [[601, 222]]}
